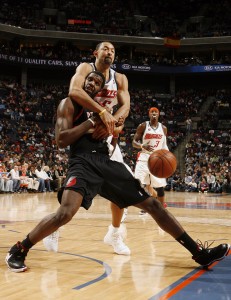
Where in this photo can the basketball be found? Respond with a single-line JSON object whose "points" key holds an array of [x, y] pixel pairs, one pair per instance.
{"points": [[162, 163]]}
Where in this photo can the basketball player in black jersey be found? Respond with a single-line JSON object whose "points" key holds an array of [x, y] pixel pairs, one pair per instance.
{"points": [[91, 172]]}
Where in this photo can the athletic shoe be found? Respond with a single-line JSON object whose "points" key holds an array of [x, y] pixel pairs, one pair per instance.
{"points": [[206, 256], [16, 257], [51, 242], [122, 231], [115, 240]]}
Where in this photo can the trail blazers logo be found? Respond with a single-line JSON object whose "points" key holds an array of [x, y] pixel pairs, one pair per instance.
{"points": [[71, 181]]}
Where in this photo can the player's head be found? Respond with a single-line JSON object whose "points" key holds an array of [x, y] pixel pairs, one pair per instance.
{"points": [[154, 113], [105, 53], [94, 82]]}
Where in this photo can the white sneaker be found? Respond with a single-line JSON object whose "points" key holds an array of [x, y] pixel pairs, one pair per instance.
{"points": [[123, 231], [115, 240], [51, 242]]}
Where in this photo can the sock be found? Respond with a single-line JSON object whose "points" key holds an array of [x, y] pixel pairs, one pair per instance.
{"points": [[114, 229], [186, 241], [27, 243]]}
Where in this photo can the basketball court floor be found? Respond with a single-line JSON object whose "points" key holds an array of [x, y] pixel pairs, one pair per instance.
{"points": [[85, 268]]}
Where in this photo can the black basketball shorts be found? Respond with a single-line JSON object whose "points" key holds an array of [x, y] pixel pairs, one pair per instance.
{"points": [[94, 173]]}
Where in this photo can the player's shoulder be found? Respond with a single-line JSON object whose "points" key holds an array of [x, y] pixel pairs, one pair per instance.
{"points": [[163, 126], [120, 75], [142, 125], [66, 102], [165, 129], [121, 79], [84, 66]]}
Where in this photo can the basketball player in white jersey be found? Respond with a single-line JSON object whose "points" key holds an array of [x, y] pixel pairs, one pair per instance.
{"points": [[115, 92], [150, 136]]}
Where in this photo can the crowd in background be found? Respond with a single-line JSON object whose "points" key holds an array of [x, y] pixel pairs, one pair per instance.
{"points": [[71, 52], [30, 160], [181, 18]]}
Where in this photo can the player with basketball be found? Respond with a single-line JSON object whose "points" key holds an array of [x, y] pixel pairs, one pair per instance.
{"points": [[150, 136]]}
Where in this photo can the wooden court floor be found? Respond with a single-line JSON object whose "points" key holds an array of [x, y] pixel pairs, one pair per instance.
{"points": [[85, 268]]}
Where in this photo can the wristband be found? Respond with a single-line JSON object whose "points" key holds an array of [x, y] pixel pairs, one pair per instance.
{"points": [[93, 123], [102, 112]]}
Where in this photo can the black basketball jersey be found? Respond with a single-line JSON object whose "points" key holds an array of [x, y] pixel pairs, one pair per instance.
{"points": [[85, 144]]}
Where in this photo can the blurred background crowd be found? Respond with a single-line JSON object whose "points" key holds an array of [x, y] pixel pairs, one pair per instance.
{"points": [[194, 107]]}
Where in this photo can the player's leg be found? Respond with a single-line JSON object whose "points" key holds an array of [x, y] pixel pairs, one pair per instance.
{"points": [[117, 214], [70, 204], [161, 196], [159, 185], [116, 232], [142, 173], [167, 222], [151, 191]]}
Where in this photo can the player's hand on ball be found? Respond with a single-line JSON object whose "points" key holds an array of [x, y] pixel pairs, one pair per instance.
{"points": [[117, 130], [108, 119], [148, 147], [100, 132], [120, 122]]}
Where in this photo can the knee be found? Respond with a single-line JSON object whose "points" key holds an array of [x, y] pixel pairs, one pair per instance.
{"points": [[62, 217], [153, 206]]}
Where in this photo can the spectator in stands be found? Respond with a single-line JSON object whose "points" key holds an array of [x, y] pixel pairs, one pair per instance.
{"points": [[50, 176], [43, 175], [216, 187], [210, 180], [26, 181], [191, 186], [187, 179], [188, 124], [6, 184], [35, 180], [59, 175], [203, 186], [41, 178], [226, 186], [14, 173], [174, 181]]}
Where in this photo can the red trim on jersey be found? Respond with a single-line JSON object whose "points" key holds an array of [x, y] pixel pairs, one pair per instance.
{"points": [[138, 155], [79, 114]]}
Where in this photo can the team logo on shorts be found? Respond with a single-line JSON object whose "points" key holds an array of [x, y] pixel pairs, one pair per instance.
{"points": [[71, 181]]}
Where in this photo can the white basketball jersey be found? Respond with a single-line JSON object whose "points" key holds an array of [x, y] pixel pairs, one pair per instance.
{"points": [[107, 97], [155, 137]]}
